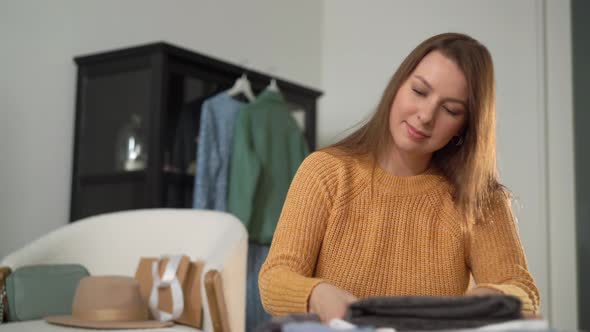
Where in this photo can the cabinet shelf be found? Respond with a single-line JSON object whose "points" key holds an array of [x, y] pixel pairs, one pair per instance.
{"points": [[112, 177], [187, 180]]}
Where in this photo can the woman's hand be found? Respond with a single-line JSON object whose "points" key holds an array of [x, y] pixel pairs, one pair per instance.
{"points": [[329, 301], [481, 291]]}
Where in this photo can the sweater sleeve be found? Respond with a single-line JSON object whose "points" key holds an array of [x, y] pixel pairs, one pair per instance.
{"points": [[208, 161], [286, 278], [497, 258]]}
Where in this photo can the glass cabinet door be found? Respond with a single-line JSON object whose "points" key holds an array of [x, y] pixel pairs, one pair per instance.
{"points": [[112, 149], [114, 123]]}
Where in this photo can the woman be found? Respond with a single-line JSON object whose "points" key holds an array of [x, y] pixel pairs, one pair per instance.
{"points": [[410, 203]]}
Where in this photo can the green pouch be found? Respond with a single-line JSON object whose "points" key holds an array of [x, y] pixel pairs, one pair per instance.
{"points": [[37, 291]]}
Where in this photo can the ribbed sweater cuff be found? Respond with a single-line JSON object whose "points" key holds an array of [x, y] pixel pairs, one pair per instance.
{"points": [[287, 292], [528, 306]]}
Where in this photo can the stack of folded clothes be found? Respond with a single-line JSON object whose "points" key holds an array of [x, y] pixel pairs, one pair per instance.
{"points": [[434, 313], [419, 313]]}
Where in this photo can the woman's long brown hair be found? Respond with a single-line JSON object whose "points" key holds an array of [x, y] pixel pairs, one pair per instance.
{"points": [[471, 166]]}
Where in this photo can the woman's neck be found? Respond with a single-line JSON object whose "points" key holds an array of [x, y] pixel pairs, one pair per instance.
{"points": [[399, 163]]}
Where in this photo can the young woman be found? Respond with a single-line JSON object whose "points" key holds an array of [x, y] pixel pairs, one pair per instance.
{"points": [[410, 203]]}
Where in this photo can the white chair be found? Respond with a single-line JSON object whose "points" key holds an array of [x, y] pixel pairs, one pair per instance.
{"points": [[112, 244]]}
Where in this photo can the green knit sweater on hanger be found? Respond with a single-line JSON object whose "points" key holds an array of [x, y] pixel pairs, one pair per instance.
{"points": [[268, 148]]}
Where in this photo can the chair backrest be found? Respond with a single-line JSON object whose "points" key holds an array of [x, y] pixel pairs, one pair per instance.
{"points": [[112, 244]]}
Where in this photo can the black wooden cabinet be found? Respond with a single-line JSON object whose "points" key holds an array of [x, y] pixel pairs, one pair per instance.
{"points": [[129, 108]]}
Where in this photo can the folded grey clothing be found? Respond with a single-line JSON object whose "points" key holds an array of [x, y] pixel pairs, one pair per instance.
{"points": [[434, 313], [317, 327], [277, 323]]}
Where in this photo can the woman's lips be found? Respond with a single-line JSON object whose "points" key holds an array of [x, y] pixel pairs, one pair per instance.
{"points": [[415, 133]]}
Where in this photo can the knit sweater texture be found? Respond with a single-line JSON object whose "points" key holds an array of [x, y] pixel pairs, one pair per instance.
{"points": [[354, 225]]}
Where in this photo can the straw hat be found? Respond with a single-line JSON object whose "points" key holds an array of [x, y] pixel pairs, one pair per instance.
{"points": [[108, 302]]}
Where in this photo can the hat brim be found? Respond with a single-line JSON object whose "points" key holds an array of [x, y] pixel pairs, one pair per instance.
{"points": [[109, 325]]}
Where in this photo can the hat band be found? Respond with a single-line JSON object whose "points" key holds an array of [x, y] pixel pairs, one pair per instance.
{"points": [[112, 315]]}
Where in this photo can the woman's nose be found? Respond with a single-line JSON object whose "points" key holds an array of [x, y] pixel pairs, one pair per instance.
{"points": [[426, 114]]}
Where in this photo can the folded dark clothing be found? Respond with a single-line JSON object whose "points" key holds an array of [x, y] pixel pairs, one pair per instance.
{"points": [[434, 313], [277, 323]]}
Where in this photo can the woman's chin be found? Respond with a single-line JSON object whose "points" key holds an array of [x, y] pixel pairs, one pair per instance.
{"points": [[409, 146]]}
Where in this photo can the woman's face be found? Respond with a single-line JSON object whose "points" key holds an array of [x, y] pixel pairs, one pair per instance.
{"points": [[430, 106]]}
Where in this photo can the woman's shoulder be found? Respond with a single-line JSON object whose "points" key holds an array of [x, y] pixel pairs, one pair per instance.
{"points": [[330, 159], [342, 175], [498, 205], [333, 166]]}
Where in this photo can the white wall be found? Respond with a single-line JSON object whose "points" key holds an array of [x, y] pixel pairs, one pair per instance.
{"points": [[37, 78], [365, 42]]}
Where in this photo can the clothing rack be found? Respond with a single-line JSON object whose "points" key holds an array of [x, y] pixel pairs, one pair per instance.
{"points": [[154, 81]]}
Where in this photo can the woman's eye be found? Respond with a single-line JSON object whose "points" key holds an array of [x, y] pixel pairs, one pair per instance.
{"points": [[451, 112], [418, 92]]}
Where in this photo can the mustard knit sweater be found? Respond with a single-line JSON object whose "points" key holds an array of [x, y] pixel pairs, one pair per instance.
{"points": [[360, 228]]}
